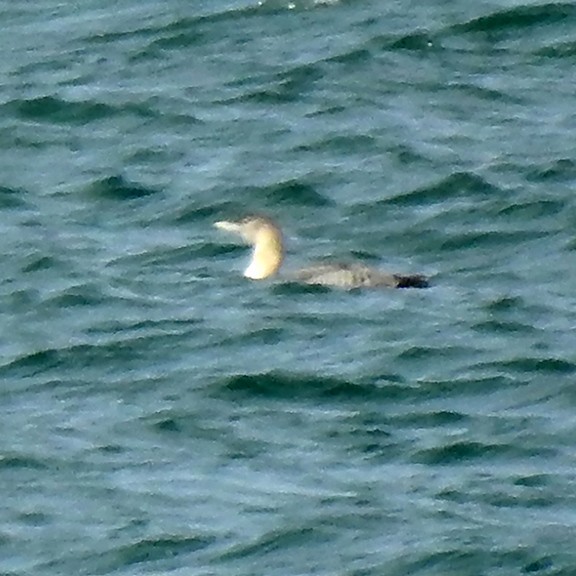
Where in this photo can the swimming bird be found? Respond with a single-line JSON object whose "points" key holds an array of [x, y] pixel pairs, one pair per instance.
{"points": [[265, 237]]}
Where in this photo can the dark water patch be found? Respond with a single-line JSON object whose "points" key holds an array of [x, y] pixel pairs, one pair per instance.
{"points": [[119, 188], [158, 552], [383, 449], [197, 31], [57, 110], [408, 155], [544, 563], [490, 95], [373, 427], [467, 386], [328, 110], [414, 353], [181, 122], [36, 263], [504, 327], [31, 364], [347, 144], [160, 155], [519, 19], [116, 355], [35, 519], [383, 436], [530, 366], [109, 38], [559, 50], [78, 296], [282, 88], [452, 561], [196, 428], [505, 500], [233, 249], [179, 27], [33, 222], [286, 86], [210, 249], [12, 198], [561, 170], [293, 193], [168, 256], [300, 78], [235, 16], [263, 336], [505, 304], [281, 385], [532, 210], [415, 41], [15, 461], [174, 28], [433, 419], [534, 480], [276, 540], [52, 109], [156, 549], [354, 57], [571, 245], [175, 424], [6, 540], [203, 213], [194, 213], [23, 300], [456, 186], [479, 559], [465, 452], [111, 449], [276, 385], [498, 500], [495, 239], [178, 41], [518, 558]]}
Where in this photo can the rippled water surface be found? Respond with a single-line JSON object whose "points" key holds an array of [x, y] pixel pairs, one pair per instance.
{"points": [[161, 414]]}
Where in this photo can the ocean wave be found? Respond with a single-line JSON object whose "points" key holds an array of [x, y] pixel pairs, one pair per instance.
{"points": [[17, 461], [498, 26], [300, 385], [520, 18], [58, 110], [119, 188], [291, 538], [454, 186], [530, 366], [11, 198], [464, 451], [154, 550], [559, 50], [561, 170]]}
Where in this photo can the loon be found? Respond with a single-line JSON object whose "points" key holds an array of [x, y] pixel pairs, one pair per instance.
{"points": [[265, 237]]}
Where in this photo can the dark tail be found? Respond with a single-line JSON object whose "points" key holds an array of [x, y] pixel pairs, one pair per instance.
{"points": [[411, 281]]}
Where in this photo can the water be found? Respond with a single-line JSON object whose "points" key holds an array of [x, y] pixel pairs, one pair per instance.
{"points": [[160, 414]]}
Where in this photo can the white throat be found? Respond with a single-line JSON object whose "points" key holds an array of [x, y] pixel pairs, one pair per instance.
{"points": [[256, 270], [266, 259]]}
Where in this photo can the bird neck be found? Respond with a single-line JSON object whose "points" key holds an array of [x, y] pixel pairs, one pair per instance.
{"points": [[267, 255]]}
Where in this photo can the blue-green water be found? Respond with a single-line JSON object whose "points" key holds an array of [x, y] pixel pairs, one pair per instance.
{"points": [[160, 414]]}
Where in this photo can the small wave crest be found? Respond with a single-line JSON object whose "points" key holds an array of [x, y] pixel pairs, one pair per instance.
{"points": [[119, 188]]}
